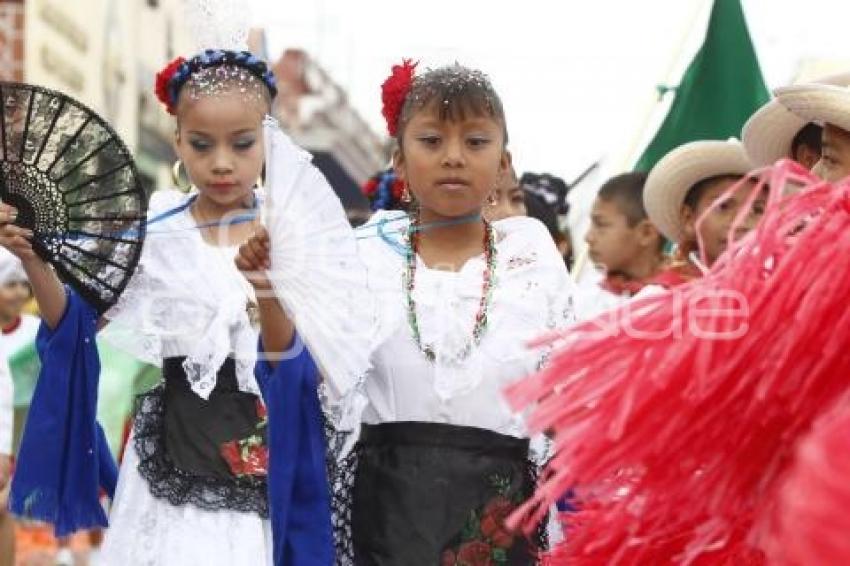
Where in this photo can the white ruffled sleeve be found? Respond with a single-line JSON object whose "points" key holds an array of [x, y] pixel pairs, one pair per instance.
{"points": [[136, 312], [540, 288]]}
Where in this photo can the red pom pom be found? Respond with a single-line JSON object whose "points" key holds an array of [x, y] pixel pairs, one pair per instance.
{"points": [[398, 189], [696, 425], [811, 522], [394, 92], [163, 78], [370, 187]]}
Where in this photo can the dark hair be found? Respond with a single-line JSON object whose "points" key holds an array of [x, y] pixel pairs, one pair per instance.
{"points": [[458, 91], [551, 189], [809, 135], [537, 208], [626, 191], [696, 192]]}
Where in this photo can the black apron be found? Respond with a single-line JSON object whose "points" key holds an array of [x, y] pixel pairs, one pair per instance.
{"points": [[178, 437], [438, 494]]}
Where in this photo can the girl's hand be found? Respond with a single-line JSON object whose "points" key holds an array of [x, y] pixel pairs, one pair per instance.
{"points": [[14, 238], [46, 286], [254, 259]]}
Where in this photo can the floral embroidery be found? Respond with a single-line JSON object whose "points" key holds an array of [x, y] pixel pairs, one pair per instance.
{"points": [[249, 456], [485, 540]]}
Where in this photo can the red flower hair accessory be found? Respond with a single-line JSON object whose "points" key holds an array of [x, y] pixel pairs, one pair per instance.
{"points": [[394, 91], [162, 79], [371, 186], [398, 189]]}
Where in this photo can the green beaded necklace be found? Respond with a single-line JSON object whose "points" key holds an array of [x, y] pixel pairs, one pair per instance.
{"points": [[481, 318]]}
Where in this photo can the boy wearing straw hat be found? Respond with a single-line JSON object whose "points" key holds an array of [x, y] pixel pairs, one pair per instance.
{"points": [[681, 197], [774, 132], [829, 105]]}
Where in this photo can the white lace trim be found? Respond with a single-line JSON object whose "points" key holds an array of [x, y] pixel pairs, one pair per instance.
{"points": [[184, 301], [533, 295]]}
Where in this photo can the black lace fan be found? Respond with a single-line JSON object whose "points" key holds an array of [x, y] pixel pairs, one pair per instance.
{"points": [[75, 185]]}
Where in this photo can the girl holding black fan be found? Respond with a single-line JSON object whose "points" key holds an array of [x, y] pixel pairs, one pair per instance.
{"points": [[192, 487]]}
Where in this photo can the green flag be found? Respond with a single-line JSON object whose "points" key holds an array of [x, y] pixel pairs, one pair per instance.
{"points": [[721, 88]]}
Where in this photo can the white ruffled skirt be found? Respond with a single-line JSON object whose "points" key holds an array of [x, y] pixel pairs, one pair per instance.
{"points": [[146, 531]]}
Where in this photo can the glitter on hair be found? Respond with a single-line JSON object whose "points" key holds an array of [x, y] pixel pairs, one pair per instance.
{"points": [[457, 91], [226, 79]]}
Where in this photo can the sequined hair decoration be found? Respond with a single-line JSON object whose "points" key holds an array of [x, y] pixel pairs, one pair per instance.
{"points": [[210, 69]]}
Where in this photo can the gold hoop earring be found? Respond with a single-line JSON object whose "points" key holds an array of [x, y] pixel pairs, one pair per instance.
{"points": [[492, 199], [406, 197], [177, 179]]}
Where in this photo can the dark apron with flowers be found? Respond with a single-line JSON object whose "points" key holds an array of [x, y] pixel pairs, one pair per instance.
{"points": [[437, 494], [210, 453]]}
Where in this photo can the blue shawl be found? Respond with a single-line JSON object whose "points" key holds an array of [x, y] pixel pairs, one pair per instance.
{"points": [[64, 459], [299, 497]]}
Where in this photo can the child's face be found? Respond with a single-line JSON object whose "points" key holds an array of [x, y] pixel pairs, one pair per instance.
{"points": [[509, 199], [13, 297], [451, 166], [834, 164], [612, 244], [220, 141], [714, 228]]}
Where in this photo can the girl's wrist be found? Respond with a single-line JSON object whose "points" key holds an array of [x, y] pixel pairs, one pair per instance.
{"points": [[34, 262]]}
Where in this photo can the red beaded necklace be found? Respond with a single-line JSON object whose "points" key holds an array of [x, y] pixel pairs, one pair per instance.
{"points": [[481, 318]]}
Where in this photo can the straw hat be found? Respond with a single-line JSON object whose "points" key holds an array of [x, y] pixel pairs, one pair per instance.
{"points": [[768, 134], [826, 104], [678, 171]]}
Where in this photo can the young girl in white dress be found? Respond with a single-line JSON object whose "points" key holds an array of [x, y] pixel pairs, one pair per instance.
{"points": [[192, 485], [441, 460]]}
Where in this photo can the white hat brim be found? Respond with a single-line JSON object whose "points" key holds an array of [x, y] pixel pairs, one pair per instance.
{"points": [[677, 172], [768, 134], [826, 104]]}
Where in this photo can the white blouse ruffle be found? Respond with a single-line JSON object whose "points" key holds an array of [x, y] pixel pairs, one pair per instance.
{"points": [[533, 293], [186, 298]]}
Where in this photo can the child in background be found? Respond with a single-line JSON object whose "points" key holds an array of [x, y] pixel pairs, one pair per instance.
{"points": [[623, 242], [828, 104], [681, 197], [18, 330], [508, 200]]}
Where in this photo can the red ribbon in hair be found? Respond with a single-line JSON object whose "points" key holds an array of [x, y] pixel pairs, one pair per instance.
{"points": [[162, 79], [394, 91]]}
